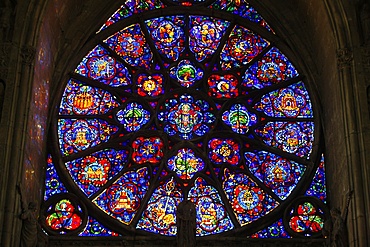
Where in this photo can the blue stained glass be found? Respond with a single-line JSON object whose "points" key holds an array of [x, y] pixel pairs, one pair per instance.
{"points": [[94, 229], [160, 214], [186, 73], [180, 93], [76, 135], [276, 230], [123, 198], [205, 35], [272, 69], [241, 47], [318, 184], [168, 35], [131, 7], [277, 173], [186, 164], [80, 99], [292, 101], [53, 185], [241, 8], [295, 138], [131, 45], [211, 215], [93, 171], [239, 118], [186, 117], [248, 201], [99, 65], [133, 116]]}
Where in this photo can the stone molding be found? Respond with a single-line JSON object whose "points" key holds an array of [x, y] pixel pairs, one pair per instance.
{"points": [[5, 57]]}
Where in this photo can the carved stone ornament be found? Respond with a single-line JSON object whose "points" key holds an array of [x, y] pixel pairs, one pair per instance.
{"points": [[28, 54], [344, 58]]}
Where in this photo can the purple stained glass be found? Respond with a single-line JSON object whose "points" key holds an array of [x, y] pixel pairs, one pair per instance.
{"points": [[239, 118], [185, 163], [292, 101], [273, 68], [160, 214], [94, 229], [168, 35], [224, 150], [295, 138], [318, 184], [241, 47], [186, 117], [99, 65], [205, 35], [80, 99], [186, 73], [92, 172], [79, 134], [133, 117], [131, 45], [241, 8], [276, 230], [248, 201], [53, 185], [279, 174], [123, 198], [212, 216]]}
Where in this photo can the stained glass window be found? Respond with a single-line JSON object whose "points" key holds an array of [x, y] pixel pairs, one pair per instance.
{"points": [[199, 104]]}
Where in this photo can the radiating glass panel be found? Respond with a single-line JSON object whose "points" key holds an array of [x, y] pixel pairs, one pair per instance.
{"points": [[168, 35], [248, 201], [241, 47], [295, 138], [81, 99], [76, 135], [211, 215], [93, 171], [292, 102], [131, 45], [279, 174], [100, 65], [123, 198], [205, 35], [273, 68], [160, 214]]}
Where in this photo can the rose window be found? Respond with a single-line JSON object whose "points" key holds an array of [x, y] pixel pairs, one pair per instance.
{"points": [[198, 104]]}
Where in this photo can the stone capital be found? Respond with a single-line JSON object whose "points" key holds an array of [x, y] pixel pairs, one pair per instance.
{"points": [[344, 58]]}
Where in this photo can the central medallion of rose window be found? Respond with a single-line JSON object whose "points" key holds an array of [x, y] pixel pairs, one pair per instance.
{"points": [[186, 117]]}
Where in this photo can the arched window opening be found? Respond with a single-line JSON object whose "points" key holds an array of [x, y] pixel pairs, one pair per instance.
{"points": [[186, 100]]}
